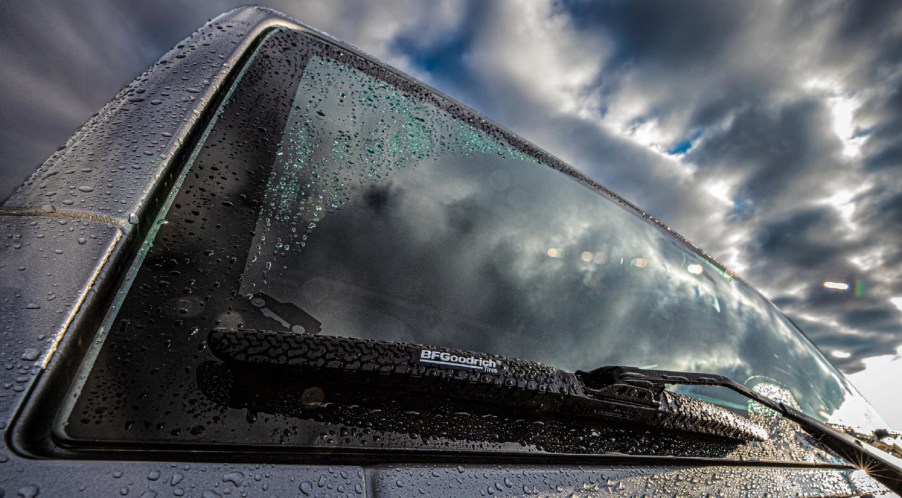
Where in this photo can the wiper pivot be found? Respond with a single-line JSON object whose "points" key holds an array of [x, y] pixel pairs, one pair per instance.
{"points": [[848, 447]]}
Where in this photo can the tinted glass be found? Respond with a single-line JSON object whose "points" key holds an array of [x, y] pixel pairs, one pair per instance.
{"points": [[333, 197]]}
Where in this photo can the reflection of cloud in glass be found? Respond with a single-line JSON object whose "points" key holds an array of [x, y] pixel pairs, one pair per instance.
{"points": [[444, 235]]}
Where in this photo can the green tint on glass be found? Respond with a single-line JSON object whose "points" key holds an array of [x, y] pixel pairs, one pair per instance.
{"points": [[349, 131]]}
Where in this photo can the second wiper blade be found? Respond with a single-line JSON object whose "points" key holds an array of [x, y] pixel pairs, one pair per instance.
{"points": [[479, 377]]}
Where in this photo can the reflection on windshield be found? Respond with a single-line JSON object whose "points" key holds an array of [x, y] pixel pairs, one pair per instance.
{"points": [[386, 218], [324, 200]]}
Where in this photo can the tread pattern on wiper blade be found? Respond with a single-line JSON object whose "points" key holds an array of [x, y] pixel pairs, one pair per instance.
{"points": [[468, 375]]}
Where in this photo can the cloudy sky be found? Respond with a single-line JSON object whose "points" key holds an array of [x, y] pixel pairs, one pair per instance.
{"points": [[766, 132]]}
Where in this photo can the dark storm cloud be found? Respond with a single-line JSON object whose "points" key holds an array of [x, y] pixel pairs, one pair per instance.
{"points": [[752, 94], [442, 60], [885, 147], [889, 210], [779, 150], [804, 239], [63, 60], [692, 57], [662, 34]]}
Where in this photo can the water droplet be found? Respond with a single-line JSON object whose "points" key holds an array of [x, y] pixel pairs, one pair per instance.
{"points": [[133, 218], [176, 478], [82, 241], [235, 478], [48, 208], [153, 475], [306, 488], [86, 188], [29, 491], [31, 354]]}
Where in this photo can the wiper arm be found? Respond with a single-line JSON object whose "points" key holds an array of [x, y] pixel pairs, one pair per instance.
{"points": [[612, 393], [848, 447], [479, 377]]}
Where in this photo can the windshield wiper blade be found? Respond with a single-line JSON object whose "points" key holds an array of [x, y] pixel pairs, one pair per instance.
{"points": [[613, 393], [474, 376]]}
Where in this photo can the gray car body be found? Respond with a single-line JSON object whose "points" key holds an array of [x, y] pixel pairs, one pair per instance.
{"points": [[67, 234]]}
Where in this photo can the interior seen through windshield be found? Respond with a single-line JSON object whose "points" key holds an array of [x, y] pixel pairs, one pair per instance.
{"points": [[331, 197]]}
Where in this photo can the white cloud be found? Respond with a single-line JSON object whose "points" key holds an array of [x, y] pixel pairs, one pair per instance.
{"points": [[532, 50]]}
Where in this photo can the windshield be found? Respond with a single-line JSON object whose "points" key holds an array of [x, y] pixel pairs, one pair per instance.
{"points": [[339, 199], [387, 218]]}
